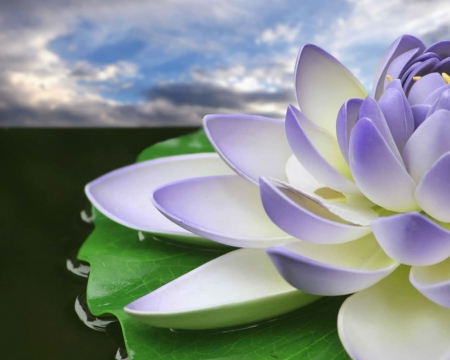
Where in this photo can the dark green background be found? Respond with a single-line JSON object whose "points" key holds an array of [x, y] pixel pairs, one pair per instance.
{"points": [[43, 173]]}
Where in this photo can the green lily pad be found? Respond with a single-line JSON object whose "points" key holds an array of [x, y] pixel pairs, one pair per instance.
{"points": [[125, 267]]}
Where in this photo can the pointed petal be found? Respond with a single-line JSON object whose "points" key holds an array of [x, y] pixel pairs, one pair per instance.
{"points": [[348, 114], [124, 195], [243, 141], [398, 47], [424, 87], [433, 192], [378, 173], [399, 64], [311, 159], [371, 109], [412, 239], [398, 115], [303, 218], [241, 287], [393, 321], [427, 144], [321, 79], [433, 282], [332, 269], [325, 144], [420, 114], [225, 209]]}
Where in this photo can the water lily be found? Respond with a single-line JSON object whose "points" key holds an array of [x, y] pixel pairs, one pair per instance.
{"points": [[348, 195]]}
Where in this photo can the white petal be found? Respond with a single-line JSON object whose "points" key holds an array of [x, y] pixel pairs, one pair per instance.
{"points": [[433, 282], [225, 209], [252, 146], [331, 270], [393, 321], [124, 195], [322, 85], [241, 287]]}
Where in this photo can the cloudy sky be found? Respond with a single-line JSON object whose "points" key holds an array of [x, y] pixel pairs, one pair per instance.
{"points": [[170, 62]]}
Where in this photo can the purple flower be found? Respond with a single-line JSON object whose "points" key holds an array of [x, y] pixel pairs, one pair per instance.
{"points": [[353, 197]]}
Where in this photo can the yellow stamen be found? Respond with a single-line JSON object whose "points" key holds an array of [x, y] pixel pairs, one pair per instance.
{"points": [[446, 78], [389, 78], [415, 78]]}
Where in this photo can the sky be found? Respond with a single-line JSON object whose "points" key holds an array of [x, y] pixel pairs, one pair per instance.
{"points": [[83, 63]]}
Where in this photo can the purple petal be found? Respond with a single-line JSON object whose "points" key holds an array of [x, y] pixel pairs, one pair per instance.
{"points": [[372, 110], [225, 209], [435, 95], [427, 55], [398, 65], [442, 66], [394, 84], [252, 146], [441, 48], [310, 158], [393, 321], [348, 114], [123, 195], [423, 69], [427, 144], [433, 192], [377, 172], [433, 282], [332, 269], [398, 115], [303, 218], [412, 239], [409, 70], [420, 114], [321, 79], [424, 87], [398, 47], [443, 103]]}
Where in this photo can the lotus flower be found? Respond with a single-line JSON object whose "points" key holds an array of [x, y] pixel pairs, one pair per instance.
{"points": [[349, 195]]}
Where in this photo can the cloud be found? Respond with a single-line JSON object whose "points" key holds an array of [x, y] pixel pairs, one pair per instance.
{"points": [[281, 33]]}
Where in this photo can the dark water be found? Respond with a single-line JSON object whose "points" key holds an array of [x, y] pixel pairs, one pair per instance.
{"points": [[43, 172]]}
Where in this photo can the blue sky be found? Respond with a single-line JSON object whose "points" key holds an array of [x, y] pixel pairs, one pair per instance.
{"points": [[169, 63]]}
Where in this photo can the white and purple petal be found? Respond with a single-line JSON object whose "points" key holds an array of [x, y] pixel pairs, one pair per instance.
{"points": [[378, 173], [398, 115], [397, 48], [124, 195], [243, 140], [332, 269], [412, 239], [433, 192], [240, 287], [311, 159], [433, 282], [441, 49], [322, 85], [427, 144], [225, 209], [393, 321], [346, 119], [304, 218], [398, 65]]}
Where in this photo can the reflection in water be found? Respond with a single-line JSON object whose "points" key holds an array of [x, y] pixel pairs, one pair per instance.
{"points": [[92, 321], [77, 267]]}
